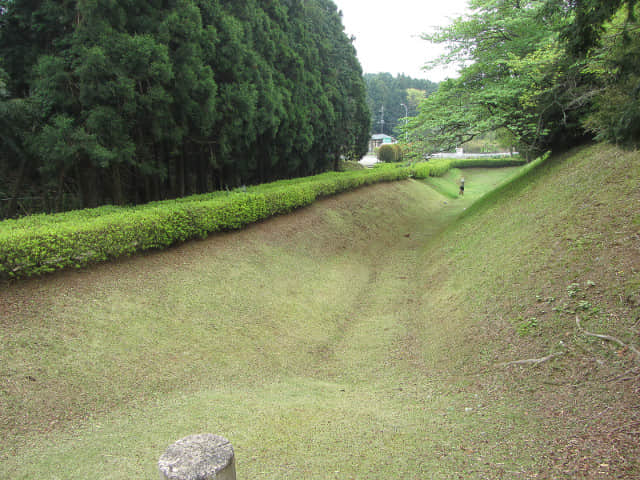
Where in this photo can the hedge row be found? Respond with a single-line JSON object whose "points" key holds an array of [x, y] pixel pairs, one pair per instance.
{"points": [[439, 166], [44, 243], [488, 162]]}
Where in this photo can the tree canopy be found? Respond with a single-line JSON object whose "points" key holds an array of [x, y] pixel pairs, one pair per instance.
{"points": [[550, 72], [112, 102], [386, 95]]}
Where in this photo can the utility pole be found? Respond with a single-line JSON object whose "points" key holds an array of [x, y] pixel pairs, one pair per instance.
{"points": [[381, 122], [406, 121]]}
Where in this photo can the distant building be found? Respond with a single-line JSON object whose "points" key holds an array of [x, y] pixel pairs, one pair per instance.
{"points": [[380, 139]]}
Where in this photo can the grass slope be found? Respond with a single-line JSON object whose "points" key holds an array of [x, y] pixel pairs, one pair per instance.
{"points": [[357, 338]]}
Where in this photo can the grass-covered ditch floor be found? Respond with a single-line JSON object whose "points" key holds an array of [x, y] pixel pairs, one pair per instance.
{"points": [[363, 336], [43, 243]]}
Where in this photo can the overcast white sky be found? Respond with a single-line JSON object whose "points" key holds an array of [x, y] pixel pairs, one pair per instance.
{"points": [[388, 33]]}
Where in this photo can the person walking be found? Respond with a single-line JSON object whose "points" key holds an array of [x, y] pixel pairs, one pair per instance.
{"points": [[462, 186]]}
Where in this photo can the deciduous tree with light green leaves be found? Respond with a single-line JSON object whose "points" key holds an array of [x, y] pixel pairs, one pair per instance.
{"points": [[551, 72], [513, 76]]}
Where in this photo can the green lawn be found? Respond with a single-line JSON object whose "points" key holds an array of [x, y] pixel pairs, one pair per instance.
{"points": [[355, 338]]}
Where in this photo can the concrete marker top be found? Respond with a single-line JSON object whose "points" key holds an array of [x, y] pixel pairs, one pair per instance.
{"points": [[198, 457]]}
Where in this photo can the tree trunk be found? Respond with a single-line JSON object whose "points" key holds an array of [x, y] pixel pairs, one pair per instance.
{"points": [[12, 205], [90, 188], [60, 192], [180, 173], [116, 185]]}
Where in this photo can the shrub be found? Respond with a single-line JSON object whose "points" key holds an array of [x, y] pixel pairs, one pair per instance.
{"points": [[489, 162], [432, 168], [387, 153]]}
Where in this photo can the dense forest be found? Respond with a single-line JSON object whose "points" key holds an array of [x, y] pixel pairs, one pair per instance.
{"points": [[387, 97], [127, 102], [544, 74]]}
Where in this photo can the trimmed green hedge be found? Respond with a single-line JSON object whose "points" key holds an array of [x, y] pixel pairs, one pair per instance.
{"points": [[439, 166], [45, 243], [488, 162]]}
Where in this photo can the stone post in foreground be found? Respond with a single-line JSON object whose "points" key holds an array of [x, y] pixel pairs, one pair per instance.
{"points": [[199, 457]]}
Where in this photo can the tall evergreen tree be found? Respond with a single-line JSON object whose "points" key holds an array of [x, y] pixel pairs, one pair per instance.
{"points": [[131, 102]]}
